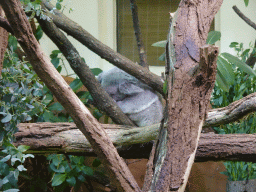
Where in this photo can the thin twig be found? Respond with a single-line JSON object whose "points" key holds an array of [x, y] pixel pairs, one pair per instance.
{"points": [[137, 31], [242, 16]]}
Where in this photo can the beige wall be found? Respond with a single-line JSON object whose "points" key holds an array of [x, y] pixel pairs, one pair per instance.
{"points": [[232, 27], [98, 17]]}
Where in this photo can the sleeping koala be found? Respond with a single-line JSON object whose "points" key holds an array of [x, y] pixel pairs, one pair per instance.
{"points": [[137, 100]]}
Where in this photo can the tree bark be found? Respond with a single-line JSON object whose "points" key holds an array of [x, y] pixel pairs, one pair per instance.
{"points": [[101, 98], [188, 95], [3, 42], [119, 174], [67, 138], [105, 52]]}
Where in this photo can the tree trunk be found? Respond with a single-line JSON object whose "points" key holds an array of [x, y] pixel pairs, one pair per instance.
{"points": [[188, 95], [3, 42]]}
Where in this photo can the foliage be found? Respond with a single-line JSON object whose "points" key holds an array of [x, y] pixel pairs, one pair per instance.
{"points": [[239, 171], [21, 93], [24, 98], [225, 73], [68, 171], [15, 157], [241, 85]]}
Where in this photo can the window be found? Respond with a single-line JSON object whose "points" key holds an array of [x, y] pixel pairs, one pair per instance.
{"points": [[154, 23]]}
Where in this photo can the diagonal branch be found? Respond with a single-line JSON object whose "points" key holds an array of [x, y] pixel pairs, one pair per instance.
{"points": [[137, 31], [101, 99], [242, 16], [5, 24], [105, 52], [119, 174]]}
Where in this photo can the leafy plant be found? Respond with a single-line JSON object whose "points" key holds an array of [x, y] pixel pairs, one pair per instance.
{"points": [[241, 85], [225, 72], [68, 171]]}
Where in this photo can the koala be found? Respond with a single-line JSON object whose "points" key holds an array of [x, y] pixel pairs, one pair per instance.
{"points": [[136, 99]]}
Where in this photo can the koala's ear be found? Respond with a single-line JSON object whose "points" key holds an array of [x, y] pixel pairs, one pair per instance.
{"points": [[129, 88], [99, 77]]}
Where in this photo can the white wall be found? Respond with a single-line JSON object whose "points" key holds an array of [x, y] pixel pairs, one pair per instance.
{"points": [[98, 17], [232, 27]]}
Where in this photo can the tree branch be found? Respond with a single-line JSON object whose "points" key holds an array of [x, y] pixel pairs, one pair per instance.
{"points": [[252, 58], [119, 174], [5, 24], [105, 52], [101, 99], [242, 16], [232, 112], [136, 26], [66, 138], [3, 42], [188, 95]]}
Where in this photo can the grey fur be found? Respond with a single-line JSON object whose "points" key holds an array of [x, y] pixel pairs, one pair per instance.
{"points": [[137, 100]]}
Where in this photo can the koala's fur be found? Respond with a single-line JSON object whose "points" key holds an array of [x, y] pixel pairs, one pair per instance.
{"points": [[137, 100]]}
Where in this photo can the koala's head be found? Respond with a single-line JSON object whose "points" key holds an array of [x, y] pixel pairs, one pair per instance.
{"points": [[119, 84]]}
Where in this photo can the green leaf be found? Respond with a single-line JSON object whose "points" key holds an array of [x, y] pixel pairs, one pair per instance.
{"points": [[76, 84], [226, 70], [221, 81], [159, 44], [71, 181], [5, 158], [165, 87], [60, 169], [56, 107], [162, 57], [39, 33], [87, 170], [23, 148], [55, 61], [13, 42], [21, 168], [96, 71], [242, 65], [58, 179], [96, 162], [11, 190], [246, 2], [7, 118], [213, 37], [58, 6]]}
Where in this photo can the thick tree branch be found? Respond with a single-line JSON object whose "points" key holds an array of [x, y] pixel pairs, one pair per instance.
{"points": [[101, 99], [66, 138], [137, 31], [5, 24], [3, 41], [118, 171], [188, 95], [105, 52], [232, 112], [242, 16]]}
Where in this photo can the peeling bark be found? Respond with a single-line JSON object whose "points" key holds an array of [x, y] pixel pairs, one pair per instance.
{"points": [[3, 42], [188, 95], [66, 138]]}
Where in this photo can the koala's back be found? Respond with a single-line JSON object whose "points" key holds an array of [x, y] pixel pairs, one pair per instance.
{"points": [[136, 99]]}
